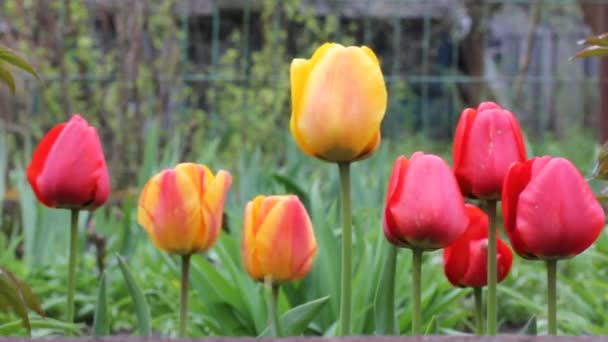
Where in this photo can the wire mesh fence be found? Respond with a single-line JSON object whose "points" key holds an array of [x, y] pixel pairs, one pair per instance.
{"points": [[211, 69]]}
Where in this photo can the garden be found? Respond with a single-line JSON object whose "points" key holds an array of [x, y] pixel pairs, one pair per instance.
{"points": [[288, 178]]}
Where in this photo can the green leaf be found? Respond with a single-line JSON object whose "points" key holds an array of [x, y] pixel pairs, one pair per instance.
{"points": [[11, 57], [601, 40], [530, 328], [13, 327], [30, 299], [296, 320], [432, 328], [7, 77], [384, 304], [11, 300], [142, 309], [592, 51], [101, 324]]}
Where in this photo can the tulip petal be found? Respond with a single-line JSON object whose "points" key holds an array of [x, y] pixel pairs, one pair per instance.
{"points": [[299, 71], [274, 231], [252, 265], [371, 54], [213, 207], [459, 149], [557, 213], [68, 178], [342, 106], [394, 189], [39, 160], [428, 209], [504, 260], [517, 178]]}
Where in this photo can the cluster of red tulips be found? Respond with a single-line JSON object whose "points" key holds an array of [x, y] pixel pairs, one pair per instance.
{"points": [[339, 100]]}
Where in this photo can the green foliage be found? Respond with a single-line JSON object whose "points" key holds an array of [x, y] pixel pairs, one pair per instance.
{"points": [[17, 297], [596, 46], [8, 57], [142, 311]]}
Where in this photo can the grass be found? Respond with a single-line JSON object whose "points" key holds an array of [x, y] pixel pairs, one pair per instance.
{"points": [[224, 301]]}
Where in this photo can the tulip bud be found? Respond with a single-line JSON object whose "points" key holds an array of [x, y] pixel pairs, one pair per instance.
{"points": [[338, 102], [487, 140], [278, 239], [465, 261], [68, 168], [549, 210], [182, 208], [424, 207]]}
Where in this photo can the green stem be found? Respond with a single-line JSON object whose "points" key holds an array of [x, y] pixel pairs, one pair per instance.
{"points": [[72, 267], [347, 242], [477, 292], [273, 309], [492, 315], [416, 270], [551, 296], [183, 308]]}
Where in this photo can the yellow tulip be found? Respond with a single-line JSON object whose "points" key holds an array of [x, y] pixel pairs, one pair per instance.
{"points": [[278, 239], [338, 102], [182, 208]]}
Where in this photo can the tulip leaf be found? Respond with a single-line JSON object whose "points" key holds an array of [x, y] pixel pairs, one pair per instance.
{"points": [[31, 301], [530, 328], [292, 187], [7, 77], [296, 320], [384, 304], [601, 40], [12, 328], [142, 310], [12, 58], [101, 324], [592, 51], [432, 328], [12, 301]]}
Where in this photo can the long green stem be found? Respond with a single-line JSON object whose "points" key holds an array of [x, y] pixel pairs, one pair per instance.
{"points": [[273, 308], [416, 271], [551, 296], [183, 308], [492, 315], [477, 292], [72, 266], [347, 242]]}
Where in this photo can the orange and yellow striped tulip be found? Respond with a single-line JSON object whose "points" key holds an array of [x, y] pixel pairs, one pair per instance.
{"points": [[338, 102], [182, 208], [278, 239]]}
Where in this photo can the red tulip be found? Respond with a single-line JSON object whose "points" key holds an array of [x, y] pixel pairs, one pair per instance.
{"points": [[487, 140], [549, 210], [465, 261], [424, 206], [68, 168]]}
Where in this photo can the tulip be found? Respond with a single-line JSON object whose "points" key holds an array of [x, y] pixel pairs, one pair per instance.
{"points": [[465, 261], [487, 140], [338, 101], [424, 207], [424, 211], [278, 244], [68, 170], [550, 213], [182, 210]]}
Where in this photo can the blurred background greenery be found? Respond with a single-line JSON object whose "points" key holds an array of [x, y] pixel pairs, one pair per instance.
{"points": [[208, 81]]}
